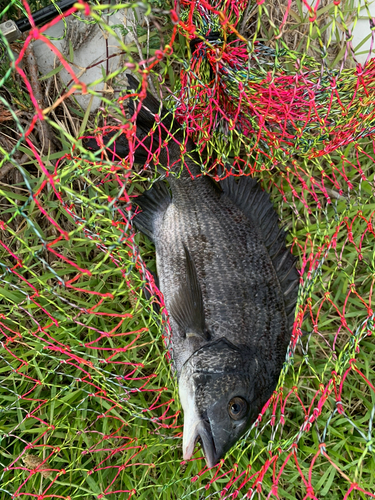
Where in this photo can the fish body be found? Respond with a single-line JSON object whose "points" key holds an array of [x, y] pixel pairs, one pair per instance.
{"points": [[230, 286]]}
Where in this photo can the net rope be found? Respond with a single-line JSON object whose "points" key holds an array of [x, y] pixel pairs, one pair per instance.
{"points": [[89, 403]]}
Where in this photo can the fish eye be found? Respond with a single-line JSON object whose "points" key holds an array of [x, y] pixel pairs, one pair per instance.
{"points": [[237, 408]]}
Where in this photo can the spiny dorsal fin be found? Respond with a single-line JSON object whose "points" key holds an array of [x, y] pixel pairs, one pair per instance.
{"points": [[187, 305], [256, 204], [153, 204]]}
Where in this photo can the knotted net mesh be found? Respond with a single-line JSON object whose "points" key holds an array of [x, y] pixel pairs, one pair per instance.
{"points": [[89, 400]]}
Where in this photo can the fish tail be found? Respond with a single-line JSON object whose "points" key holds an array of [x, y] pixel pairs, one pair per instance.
{"points": [[157, 138]]}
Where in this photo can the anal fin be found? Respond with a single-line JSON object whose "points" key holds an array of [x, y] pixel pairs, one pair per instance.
{"points": [[187, 305], [153, 203]]}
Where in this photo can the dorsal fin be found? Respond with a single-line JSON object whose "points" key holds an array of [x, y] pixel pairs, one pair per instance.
{"points": [[153, 204], [187, 304], [256, 204]]}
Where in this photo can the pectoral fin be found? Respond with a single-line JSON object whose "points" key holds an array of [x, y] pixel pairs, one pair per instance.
{"points": [[187, 305]]}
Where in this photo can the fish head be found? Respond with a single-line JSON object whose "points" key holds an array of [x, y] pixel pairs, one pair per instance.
{"points": [[219, 397]]}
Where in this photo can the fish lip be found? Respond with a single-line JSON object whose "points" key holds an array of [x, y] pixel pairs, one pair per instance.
{"points": [[208, 444], [202, 433]]}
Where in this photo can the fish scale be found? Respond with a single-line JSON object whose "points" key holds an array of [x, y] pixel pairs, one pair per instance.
{"points": [[229, 284], [229, 301]]}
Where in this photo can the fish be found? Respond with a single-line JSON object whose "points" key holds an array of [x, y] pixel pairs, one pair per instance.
{"points": [[229, 282]]}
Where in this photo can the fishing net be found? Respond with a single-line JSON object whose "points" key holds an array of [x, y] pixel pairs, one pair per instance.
{"points": [[89, 401]]}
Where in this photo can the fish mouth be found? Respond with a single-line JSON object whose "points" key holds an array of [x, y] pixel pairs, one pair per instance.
{"points": [[200, 433]]}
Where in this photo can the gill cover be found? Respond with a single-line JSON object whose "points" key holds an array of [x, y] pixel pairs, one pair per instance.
{"points": [[218, 396]]}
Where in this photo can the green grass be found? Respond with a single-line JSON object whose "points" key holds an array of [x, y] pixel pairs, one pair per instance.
{"points": [[102, 409]]}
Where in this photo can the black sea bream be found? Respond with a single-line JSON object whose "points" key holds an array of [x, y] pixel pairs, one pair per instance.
{"points": [[229, 284]]}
